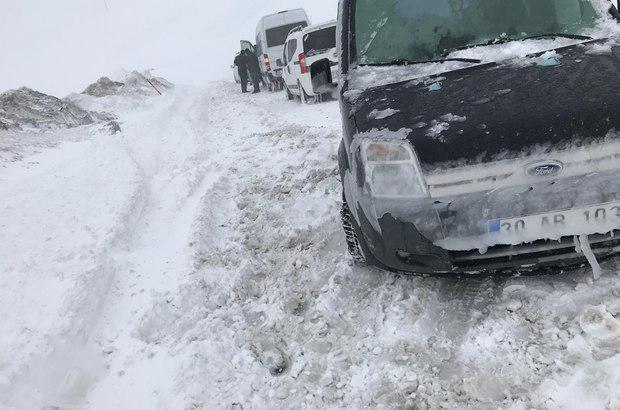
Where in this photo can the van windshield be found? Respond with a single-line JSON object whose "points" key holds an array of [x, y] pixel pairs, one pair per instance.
{"points": [[320, 40], [422, 30], [277, 36]]}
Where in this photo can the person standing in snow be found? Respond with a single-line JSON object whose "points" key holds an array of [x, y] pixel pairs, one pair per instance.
{"points": [[241, 61], [254, 69]]}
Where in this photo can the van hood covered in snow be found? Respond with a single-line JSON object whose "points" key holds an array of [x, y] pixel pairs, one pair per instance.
{"points": [[488, 112], [482, 132]]}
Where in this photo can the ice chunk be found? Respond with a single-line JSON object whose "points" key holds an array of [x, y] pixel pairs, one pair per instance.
{"points": [[381, 114], [597, 322], [584, 247], [437, 128], [452, 118], [598, 48], [549, 59], [435, 87]]}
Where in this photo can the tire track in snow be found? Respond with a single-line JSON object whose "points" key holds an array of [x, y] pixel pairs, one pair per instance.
{"points": [[60, 203], [168, 149], [160, 262]]}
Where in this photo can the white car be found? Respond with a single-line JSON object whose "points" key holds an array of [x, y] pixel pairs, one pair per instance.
{"points": [[271, 35], [311, 68]]}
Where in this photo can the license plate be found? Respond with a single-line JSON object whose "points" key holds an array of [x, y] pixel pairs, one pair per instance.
{"points": [[588, 220]]}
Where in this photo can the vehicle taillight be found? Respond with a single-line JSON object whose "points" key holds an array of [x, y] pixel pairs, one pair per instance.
{"points": [[267, 62], [302, 64]]}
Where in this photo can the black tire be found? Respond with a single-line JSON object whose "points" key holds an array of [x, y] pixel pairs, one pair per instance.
{"points": [[305, 98], [353, 243], [289, 95]]}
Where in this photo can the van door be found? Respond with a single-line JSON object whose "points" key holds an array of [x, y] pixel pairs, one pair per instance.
{"points": [[285, 73], [247, 45], [291, 74]]}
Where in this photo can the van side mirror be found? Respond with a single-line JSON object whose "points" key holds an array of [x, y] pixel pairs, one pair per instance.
{"points": [[279, 62]]}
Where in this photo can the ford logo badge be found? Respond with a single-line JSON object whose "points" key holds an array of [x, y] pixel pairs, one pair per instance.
{"points": [[545, 169]]}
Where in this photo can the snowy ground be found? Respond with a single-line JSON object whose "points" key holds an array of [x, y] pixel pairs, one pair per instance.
{"points": [[196, 260]]}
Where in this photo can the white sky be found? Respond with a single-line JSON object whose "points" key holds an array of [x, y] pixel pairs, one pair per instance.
{"points": [[61, 46]]}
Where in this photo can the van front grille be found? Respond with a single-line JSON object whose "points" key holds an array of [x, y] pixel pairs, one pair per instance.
{"points": [[532, 256]]}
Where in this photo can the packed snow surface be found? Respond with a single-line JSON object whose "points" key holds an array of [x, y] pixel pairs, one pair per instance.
{"points": [[196, 260]]}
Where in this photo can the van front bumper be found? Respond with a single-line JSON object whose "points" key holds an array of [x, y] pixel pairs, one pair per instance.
{"points": [[453, 234], [401, 247]]}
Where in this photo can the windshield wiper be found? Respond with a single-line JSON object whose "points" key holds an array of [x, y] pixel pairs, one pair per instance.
{"points": [[442, 60], [503, 40], [564, 35], [499, 40]]}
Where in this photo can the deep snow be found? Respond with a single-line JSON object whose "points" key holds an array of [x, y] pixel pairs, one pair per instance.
{"points": [[196, 260]]}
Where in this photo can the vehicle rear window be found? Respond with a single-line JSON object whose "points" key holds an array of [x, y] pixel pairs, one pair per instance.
{"points": [[320, 40], [277, 36]]}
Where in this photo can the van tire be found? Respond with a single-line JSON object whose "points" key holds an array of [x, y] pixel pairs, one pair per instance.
{"points": [[356, 249], [304, 97], [289, 95]]}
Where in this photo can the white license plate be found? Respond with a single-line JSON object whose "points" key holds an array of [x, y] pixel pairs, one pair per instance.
{"points": [[589, 220]]}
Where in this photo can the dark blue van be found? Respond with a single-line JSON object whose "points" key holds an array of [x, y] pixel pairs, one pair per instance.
{"points": [[480, 135]]}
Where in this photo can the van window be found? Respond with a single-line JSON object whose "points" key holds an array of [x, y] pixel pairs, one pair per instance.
{"points": [[259, 45], [277, 36], [420, 30], [246, 45], [320, 40], [291, 48]]}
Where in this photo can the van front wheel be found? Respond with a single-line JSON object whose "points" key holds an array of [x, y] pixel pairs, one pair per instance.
{"points": [[305, 98], [289, 94], [353, 243]]}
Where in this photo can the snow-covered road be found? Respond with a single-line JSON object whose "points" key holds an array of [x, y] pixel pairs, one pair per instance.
{"points": [[196, 260]]}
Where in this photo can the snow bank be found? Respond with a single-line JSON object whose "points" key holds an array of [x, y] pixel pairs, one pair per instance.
{"points": [[129, 84], [103, 87], [26, 109]]}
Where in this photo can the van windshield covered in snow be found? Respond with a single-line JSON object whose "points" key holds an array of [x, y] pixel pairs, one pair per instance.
{"points": [[277, 36], [320, 40], [421, 30]]}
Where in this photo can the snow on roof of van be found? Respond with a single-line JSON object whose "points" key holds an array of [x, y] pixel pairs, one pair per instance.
{"points": [[284, 17], [320, 26]]}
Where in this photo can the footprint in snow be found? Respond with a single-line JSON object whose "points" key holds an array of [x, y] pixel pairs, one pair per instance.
{"points": [[270, 356]]}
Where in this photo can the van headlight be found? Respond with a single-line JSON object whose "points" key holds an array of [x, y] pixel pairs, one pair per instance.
{"points": [[392, 170]]}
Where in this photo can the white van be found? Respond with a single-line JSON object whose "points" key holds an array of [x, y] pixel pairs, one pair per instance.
{"points": [[271, 34], [311, 67]]}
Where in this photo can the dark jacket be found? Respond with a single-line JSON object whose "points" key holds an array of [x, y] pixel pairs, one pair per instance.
{"points": [[252, 62], [241, 61]]}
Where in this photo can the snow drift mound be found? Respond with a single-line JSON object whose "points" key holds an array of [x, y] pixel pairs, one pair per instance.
{"points": [[132, 84], [103, 87], [28, 109]]}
